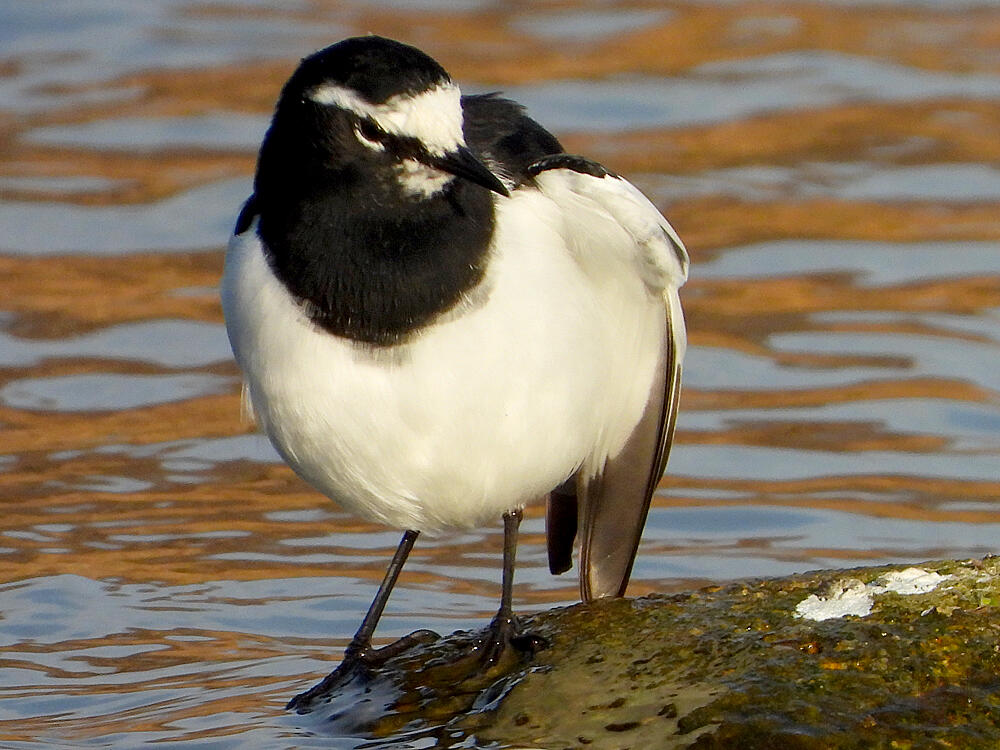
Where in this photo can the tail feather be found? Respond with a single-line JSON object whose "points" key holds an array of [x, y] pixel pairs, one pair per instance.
{"points": [[561, 527]]}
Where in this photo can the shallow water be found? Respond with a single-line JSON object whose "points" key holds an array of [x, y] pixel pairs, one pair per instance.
{"points": [[832, 167]]}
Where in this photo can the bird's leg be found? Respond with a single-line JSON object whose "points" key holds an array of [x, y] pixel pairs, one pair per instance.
{"points": [[504, 625], [504, 631], [360, 646], [359, 653]]}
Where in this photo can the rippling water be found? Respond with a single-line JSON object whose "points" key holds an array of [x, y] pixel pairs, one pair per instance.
{"points": [[834, 168]]}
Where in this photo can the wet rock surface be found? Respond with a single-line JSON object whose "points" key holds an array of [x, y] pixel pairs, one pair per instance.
{"points": [[745, 665]]}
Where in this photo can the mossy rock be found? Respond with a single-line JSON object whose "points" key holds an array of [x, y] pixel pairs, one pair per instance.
{"points": [[737, 666]]}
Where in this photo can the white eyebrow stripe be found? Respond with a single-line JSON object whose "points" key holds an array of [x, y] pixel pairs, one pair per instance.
{"points": [[434, 116], [344, 98]]}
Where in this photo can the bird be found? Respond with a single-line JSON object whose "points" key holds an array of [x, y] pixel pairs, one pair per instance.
{"points": [[442, 317]]}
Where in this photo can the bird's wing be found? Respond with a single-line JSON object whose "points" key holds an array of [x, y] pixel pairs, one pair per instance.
{"points": [[613, 503]]}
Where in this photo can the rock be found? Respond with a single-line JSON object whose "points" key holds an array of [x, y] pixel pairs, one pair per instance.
{"points": [[889, 657]]}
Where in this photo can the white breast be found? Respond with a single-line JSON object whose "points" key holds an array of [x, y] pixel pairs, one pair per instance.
{"points": [[544, 369]]}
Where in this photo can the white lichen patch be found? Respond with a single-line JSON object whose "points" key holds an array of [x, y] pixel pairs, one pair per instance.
{"points": [[852, 597], [848, 598], [911, 581]]}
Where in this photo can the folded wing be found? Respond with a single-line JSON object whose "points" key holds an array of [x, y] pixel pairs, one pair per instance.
{"points": [[609, 505]]}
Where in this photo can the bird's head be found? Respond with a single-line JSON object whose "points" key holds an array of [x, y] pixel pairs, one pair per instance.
{"points": [[378, 108]]}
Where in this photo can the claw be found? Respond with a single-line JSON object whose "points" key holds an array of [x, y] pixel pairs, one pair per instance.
{"points": [[505, 640]]}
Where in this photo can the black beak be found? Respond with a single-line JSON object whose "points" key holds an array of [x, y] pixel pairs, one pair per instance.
{"points": [[463, 163]]}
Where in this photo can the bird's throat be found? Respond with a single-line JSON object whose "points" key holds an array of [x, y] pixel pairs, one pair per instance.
{"points": [[373, 271]]}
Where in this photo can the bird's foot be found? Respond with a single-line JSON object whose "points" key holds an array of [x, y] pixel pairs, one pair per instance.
{"points": [[358, 663], [505, 643], [499, 650]]}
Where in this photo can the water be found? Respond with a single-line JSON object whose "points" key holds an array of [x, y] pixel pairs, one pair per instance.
{"points": [[832, 167]]}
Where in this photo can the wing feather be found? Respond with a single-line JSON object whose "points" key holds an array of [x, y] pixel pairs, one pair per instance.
{"points": [[613, 501]]}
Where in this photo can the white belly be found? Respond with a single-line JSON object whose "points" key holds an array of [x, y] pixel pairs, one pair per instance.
{"points": [[546, 369]]}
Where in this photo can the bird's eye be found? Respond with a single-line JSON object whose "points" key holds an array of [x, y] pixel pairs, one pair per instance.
{"points": [[369, 134]]}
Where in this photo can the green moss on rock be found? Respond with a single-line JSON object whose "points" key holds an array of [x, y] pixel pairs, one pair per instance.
{"points": [[730, 667]]}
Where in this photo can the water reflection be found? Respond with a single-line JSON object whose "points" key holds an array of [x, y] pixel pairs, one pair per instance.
{"points": [[723, 91], [870, 263], [108, 391], [168, 580], [189, 221], [865, 181], [229, 131], [168, 343]]}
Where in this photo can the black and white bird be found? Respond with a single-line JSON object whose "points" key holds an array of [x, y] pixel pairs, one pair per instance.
{"points": [[441, 317]]}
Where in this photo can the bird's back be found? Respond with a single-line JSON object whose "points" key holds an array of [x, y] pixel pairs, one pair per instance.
{"points": [[499, 131]]}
